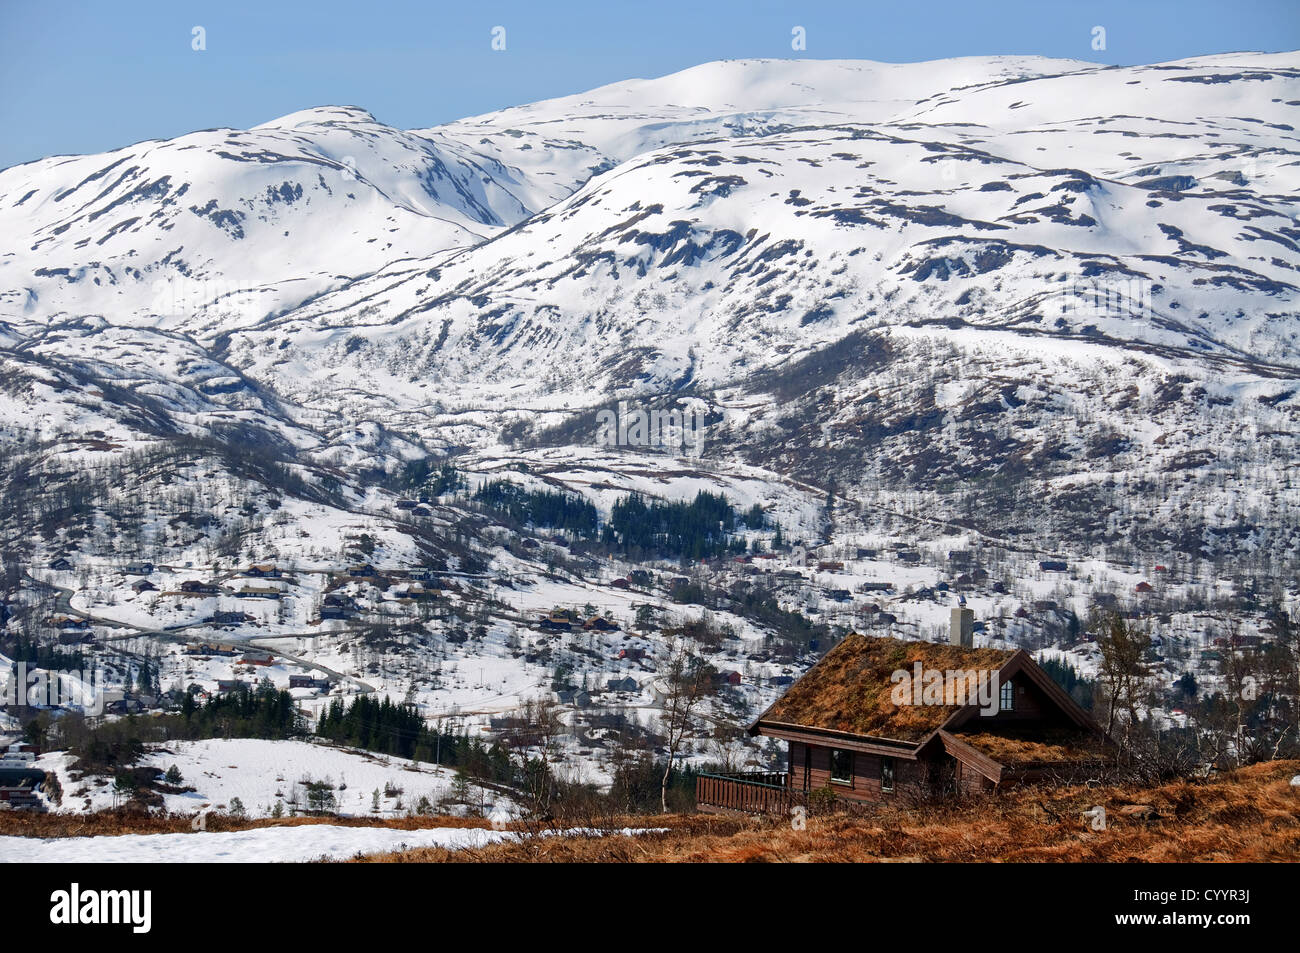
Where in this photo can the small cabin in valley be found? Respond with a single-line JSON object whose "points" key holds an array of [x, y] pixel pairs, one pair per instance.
{"points": [[879, 716]]}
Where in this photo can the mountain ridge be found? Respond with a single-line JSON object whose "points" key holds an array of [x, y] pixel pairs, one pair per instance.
{"points": [[690, 235]]}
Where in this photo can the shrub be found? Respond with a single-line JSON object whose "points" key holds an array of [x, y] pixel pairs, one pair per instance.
{"points": [[822, 800]]}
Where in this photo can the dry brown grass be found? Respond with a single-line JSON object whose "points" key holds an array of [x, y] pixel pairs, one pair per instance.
{"points": [[1249, 815], [110, 823], [849, 689], [1056, 748]]}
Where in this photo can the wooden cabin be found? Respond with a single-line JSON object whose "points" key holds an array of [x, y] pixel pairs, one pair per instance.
{"points": [[847, 732], [258, 592], [557, 620]]}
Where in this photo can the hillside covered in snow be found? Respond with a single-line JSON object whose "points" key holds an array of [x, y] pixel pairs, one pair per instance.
{"points": [[925, 277], [1019, 328]]}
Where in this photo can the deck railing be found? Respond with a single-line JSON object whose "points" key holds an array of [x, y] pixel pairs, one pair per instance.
{"points": [[754, 792]]}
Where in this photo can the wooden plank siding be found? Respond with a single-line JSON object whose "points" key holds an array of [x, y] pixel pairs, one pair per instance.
{"points": [[810, 770], [969, 780]]}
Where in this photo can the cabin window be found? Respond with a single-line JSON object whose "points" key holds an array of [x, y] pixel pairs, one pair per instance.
{"points": [[886, 774], [1008, 691], [841, 766]]}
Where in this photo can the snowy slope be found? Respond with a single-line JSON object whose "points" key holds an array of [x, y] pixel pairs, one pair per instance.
{"points": [[238, 224], [566, 139], [260, 773], [298, 844], [881, 277], [988, 202]]}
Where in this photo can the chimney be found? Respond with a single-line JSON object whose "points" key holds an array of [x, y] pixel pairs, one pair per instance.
{"points": [[963, 627]]}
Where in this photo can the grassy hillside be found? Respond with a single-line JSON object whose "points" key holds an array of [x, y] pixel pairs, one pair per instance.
{"points": [[1250, 815]]}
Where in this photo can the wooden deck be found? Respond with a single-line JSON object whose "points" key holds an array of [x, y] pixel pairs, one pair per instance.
{"points": [[758, 792]]}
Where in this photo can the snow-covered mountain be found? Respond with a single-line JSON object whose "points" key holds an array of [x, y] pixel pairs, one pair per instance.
{"points": [[1016, 328], [256, 220], [943, 277]]}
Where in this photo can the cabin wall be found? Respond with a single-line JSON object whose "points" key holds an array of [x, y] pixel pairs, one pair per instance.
{"points": [[910, 776], [968, 780], [865, 781]]}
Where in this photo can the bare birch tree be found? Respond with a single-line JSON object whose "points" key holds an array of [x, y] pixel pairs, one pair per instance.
{"points": [[688, 682], [1123, 668]]}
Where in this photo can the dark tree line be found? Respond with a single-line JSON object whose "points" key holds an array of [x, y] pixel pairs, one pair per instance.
{"points": [[541, 508], [45, 655], [1081, 689], [423, 476], [702, 529], [640, 528], [398, 729], [261, 712], [250, 712]]}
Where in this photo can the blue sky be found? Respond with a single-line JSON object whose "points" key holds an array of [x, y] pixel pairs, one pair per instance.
{"points": [[90, 76]]}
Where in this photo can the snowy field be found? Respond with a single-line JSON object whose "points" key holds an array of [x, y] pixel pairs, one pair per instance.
{"points": [[263, 845], [262, 773]]}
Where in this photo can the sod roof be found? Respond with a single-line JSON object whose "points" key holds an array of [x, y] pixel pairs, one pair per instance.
{"points": [[850, 689], [1051, 748]]}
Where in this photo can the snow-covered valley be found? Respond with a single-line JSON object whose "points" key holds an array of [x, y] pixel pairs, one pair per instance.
{"points": [[1008, 329]]}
